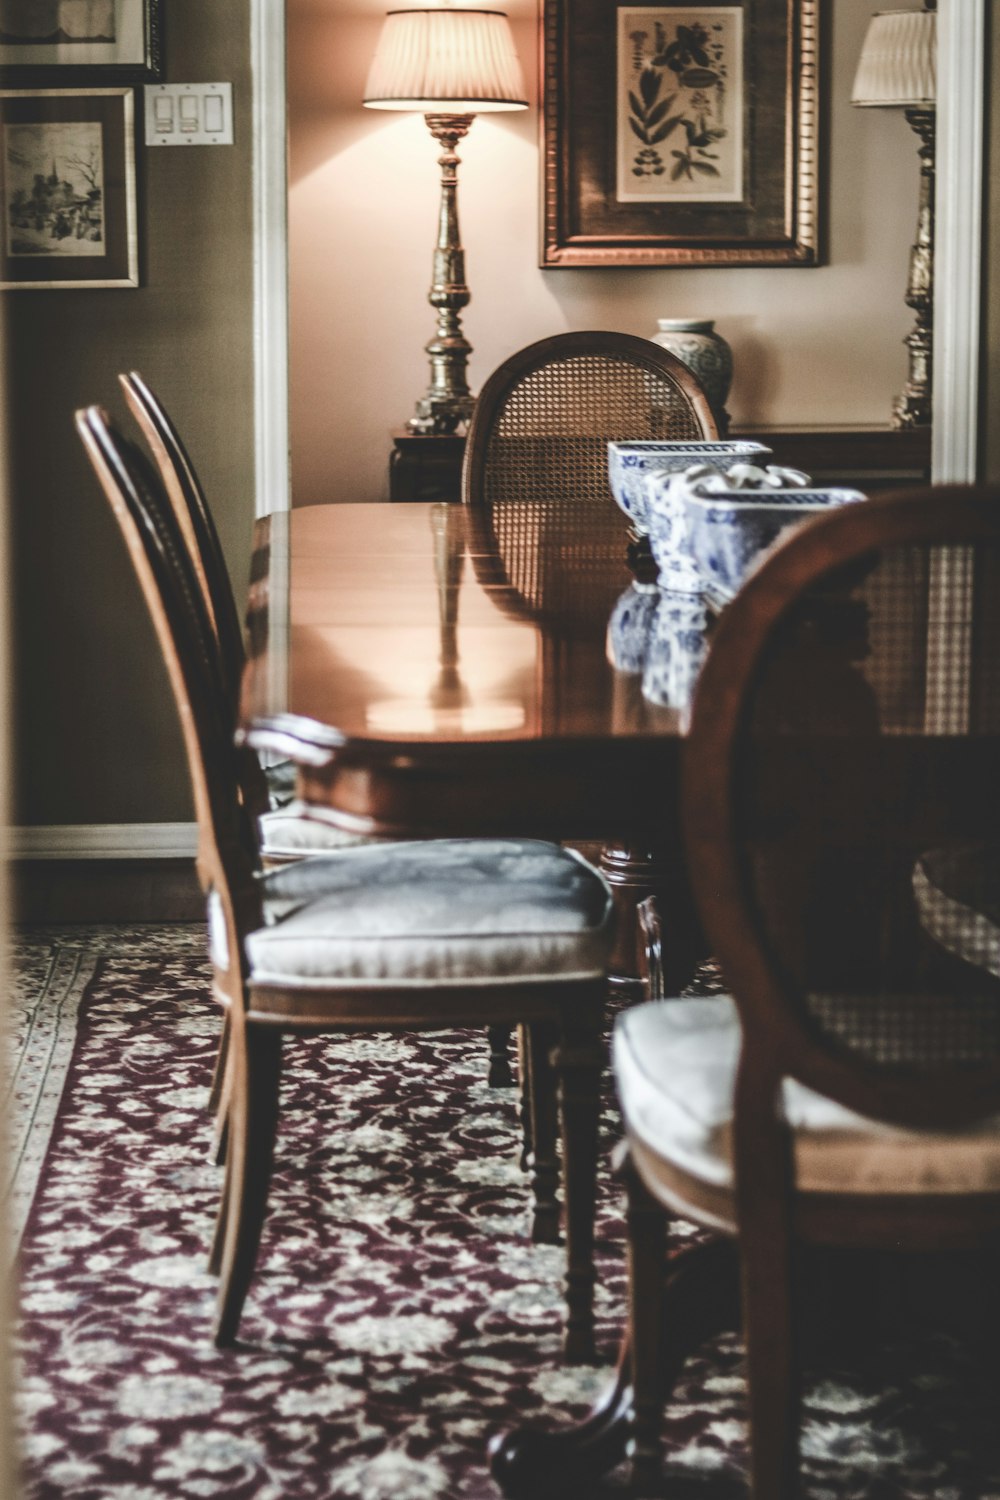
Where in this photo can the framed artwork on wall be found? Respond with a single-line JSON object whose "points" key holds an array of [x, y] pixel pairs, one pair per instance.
{"points": [[68, 41], [67, 188], [680, 134]]}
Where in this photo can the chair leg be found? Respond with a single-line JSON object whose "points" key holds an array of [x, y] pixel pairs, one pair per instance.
{"points": [[219, 1150], [524, 1092], [579, 1058], [253, 1125], [646, 1224], [219, 1072], [500, 1076], [543, 1162], [218, 1244], [772, 1372]]}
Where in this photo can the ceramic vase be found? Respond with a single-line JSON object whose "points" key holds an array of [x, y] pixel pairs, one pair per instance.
{"points": [[706, 354]]}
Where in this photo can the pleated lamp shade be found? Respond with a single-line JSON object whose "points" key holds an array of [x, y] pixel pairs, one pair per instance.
{"points": [[445, 61], [898, 63]]}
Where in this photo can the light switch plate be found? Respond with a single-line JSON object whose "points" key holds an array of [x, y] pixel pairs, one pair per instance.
{"points": [[189, 114]]}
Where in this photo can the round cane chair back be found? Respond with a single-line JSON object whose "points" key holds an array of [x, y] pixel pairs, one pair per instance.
{"points": [[841, 808]]}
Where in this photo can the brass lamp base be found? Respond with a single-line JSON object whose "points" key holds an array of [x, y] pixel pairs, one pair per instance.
{"points": [[448, 402], [913, 407]]}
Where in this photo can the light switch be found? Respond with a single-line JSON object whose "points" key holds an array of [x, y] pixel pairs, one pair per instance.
{"points": [[163, 114], [189, 114]]}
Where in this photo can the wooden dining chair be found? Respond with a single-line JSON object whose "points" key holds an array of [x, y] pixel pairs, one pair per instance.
{"points": [[289, 831], [536, 463], [425, 935], [844, 742], [536, 455]]}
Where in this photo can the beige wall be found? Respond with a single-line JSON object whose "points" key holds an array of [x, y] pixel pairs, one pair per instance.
{"points": [[97, 734], [811, 345]]}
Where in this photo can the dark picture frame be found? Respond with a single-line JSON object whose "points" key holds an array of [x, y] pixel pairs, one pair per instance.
{"points": [[680, 134], [68, 189], [66, 42]]}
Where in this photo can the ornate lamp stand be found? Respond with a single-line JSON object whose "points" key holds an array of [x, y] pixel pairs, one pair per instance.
{"points": [[449, 63], [912, 408], [897, 69], [448, 401]]}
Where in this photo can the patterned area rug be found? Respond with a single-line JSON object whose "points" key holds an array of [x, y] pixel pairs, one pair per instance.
{"points": [[398, 1317]]}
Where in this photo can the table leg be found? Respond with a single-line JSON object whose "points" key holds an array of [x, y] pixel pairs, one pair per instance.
{"points": [[578, 1060], [700, 1299], [636, 871]]}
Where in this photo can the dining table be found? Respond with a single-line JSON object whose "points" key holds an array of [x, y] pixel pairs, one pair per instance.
{"points": [[446, 670]]}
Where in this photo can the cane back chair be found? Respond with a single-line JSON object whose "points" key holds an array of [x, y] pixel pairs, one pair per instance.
{"points": [[413, 936], [536, 464], [839, 796], [536, 456]]}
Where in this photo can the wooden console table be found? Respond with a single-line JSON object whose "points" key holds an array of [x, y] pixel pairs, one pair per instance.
{"points": [[868, 458]]}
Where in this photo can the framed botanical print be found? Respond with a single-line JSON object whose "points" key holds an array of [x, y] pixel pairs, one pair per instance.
{"points": [[680, 134], [69, 41], [67, 188]]}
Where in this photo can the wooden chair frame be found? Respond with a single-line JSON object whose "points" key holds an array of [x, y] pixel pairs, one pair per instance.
{"points": [[771, 1216], [632, 869], [506, 378], [563, 1018]]}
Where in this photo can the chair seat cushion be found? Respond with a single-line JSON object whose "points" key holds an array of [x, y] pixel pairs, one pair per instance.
{"points": [[675, 1067], [444, 911], [297, 832], [958, 900]]}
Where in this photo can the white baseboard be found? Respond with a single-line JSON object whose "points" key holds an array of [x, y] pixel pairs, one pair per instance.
{"points": [[103, 841]]}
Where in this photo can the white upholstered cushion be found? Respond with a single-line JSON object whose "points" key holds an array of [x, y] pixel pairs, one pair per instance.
{"points": [[443, 911], [675, 1067], [298, 831]]}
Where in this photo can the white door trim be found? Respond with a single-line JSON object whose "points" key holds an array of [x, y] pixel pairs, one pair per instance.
{"points": [[270, 236], [961, 124]]}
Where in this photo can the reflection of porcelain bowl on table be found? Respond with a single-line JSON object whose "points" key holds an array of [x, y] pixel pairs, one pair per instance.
{"points": [[729, 533], [629, 463], [676, 649], [630, 625]]}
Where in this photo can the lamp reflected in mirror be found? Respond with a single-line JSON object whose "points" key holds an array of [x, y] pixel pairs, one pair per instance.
{"points": [[898, 70]]}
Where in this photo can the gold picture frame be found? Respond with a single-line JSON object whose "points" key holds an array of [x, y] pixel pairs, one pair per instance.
{"points": [[67, 189], [680, 134]]}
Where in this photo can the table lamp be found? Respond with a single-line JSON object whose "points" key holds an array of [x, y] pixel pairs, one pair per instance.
{"points": [[450, 64], [897, 70]]}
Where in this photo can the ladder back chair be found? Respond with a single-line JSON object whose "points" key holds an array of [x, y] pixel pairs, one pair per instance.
{"points": [[843, 830], [411, 936]]}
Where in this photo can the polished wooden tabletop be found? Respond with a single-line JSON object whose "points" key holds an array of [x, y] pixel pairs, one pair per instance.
{"points": [[438, 668]]}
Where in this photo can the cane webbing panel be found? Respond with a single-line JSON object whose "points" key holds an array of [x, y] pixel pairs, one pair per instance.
{"points": [[546, 469], [551, 436], [868, 806]]}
